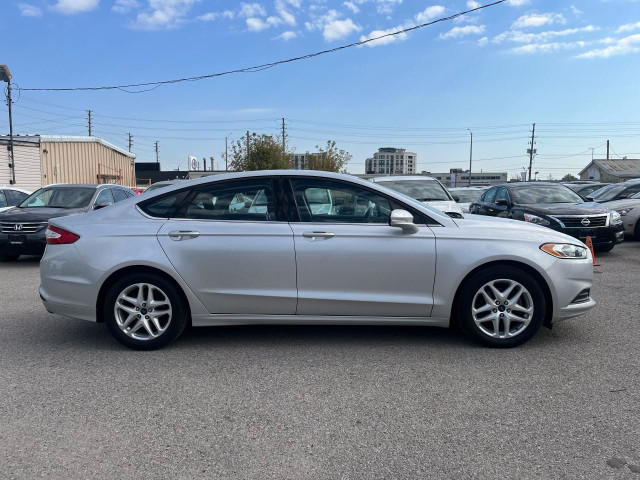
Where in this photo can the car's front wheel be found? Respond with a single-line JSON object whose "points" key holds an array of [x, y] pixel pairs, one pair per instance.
{"points": [[501, 306], [144, 311]]}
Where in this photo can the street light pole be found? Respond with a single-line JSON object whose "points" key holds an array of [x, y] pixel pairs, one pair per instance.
{"points": [[226, 152], [5, 75], [470, 154]]}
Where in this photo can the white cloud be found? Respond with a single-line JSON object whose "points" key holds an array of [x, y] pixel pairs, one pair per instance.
{"points": [[532, 20], [125, 6], [76, 6], [286, 36], [339, 29], [351, 6], [547, 47], [27, 10], [430, 13], [319, 21], [519, 36], [208, 17], [518, 3], [386, 40], [256, 24], [163, 14], [575, 10], [621, 46], [286, 16], [252, 10], [483, 41], [385, 7], [629, 27], [472, 4], [457, 32]]}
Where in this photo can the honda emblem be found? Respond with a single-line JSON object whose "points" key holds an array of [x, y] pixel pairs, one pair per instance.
{"points": [[17, 227]]}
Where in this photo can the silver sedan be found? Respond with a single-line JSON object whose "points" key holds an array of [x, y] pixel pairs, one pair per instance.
{"points": [[304, 247]]}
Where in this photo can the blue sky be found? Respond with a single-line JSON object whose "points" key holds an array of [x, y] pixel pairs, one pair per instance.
{"points": [[573, 67]]}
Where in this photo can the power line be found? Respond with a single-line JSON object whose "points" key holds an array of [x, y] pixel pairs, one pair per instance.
{"points": [[265, 66]]}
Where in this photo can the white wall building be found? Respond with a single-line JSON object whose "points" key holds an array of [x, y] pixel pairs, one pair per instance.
{"points": [[393, 161]]}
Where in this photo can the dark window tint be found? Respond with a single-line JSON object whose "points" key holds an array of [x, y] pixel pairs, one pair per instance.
{"points": [[490, 196], [544, 194], [585, 192], [502, 194], [337, 202], [104, 198], [119, 194], [3, 200], [248, 200], [60, 197], [14, 197], [164, 206], [631, 191]]}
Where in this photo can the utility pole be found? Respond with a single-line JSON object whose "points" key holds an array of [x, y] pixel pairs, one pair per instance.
{"points": [[532, 150], [607, 150], [89, 122], [470, 154], [226, 153], [283, 142], [247, 147], [5, 75], [130, 142], [156, 149]]}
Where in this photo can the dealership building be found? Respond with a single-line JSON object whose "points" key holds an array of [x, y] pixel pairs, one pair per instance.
{"points": [[45, 159]]}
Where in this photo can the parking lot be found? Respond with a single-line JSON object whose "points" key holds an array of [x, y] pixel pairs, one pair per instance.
{"points": [[322, 402]]}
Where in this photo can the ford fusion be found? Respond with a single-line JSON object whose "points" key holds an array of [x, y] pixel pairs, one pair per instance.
{"points": [[22, 229], [281, 247], [554, 206]]}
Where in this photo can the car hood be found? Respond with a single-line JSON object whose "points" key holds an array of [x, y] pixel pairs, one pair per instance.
{"points": [[516, 229], [445, 206], [627, 202], [37, 214], [588, 208]]}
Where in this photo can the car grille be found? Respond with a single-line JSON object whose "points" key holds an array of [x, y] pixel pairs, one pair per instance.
{"points": [[21, 228], [576, 221]]}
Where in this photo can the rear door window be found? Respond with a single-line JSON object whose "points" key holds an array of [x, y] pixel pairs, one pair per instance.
{"points": [[104, 197], [490, 196], [119, 194]]}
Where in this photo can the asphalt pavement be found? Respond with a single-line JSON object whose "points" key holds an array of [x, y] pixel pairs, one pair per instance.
{"points": [[307, 402]]}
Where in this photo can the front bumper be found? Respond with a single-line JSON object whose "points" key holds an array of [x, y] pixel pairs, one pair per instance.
{"points": [[569, 279], [601, 236], [23, 244]]}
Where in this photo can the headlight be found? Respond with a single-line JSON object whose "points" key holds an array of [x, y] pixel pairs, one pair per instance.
{"points": [[615, 218], [623, 212], [537, 220], [564, 250]]}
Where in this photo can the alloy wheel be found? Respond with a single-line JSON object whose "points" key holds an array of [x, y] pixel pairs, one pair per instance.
{"points": [[143, 311], [502, 308]]}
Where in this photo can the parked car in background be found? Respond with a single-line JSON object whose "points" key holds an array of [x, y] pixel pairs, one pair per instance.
{"points": [[629, 210], [464, 196], [189, 254], [137, 190], [555, 206], [616, 191], [585, 189], [10, 197], [427, 190], [22, 228], [162, 184]]}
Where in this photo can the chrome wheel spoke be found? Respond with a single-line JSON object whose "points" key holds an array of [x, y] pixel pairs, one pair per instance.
{"points": [[143, 311], [510, 316]]}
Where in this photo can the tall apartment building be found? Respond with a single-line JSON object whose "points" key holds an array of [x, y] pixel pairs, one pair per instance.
{"points": [[393, 161], [300, 161]]}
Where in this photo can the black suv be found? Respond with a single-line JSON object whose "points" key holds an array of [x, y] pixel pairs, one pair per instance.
{"points": [[555, 206], [22, 228]]}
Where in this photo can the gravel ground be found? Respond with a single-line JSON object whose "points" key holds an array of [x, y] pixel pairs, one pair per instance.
{"points": [[322, 402]]}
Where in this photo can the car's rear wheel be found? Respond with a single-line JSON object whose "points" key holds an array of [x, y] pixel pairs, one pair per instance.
{"points": [[501, 306], [144, 311], [9, 258]]}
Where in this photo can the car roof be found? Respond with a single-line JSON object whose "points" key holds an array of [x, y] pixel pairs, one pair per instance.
{"points": [[392, 178], [531, 184]]}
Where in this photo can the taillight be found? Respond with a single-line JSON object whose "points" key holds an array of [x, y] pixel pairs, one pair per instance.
{"points": [[59, 236]]}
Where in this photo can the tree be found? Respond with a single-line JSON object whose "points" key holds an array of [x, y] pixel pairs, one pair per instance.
{"points": [[569, 178], [265, 153], [328, 159]]}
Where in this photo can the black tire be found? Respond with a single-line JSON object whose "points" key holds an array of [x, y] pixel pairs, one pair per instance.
{"points": [[604, 248], [476, 282], [9, 258], [636, 231], [179, 317]]}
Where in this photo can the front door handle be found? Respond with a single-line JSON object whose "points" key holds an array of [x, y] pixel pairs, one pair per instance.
{"points": [[178, 235], [318, 235]]}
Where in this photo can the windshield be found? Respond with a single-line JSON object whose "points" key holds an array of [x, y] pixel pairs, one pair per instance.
{"points": [[608, 193], [467, 196], [545, 194], [421, 190], [67, 197]]}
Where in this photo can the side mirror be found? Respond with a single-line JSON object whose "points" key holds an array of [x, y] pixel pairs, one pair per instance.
{"points": [[456, 198], [101, 205], [404, 220], [502, 201]]}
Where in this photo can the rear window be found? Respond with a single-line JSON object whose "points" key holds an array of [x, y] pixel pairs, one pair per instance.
{"points": [[164, 206]]}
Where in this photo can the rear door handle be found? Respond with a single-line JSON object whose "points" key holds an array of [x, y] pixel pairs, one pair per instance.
{"points": [[178, 235], [318, 235]]}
